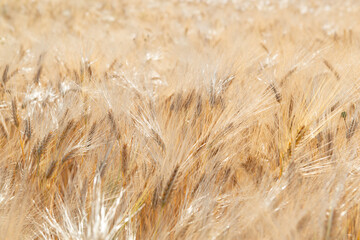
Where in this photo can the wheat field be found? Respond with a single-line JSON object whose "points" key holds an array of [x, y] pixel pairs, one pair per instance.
{"points": [[176, 119]]}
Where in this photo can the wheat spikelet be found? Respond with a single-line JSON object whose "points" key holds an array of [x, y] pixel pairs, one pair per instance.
{"points": [[16, 71], [3, 130], [278, 96], [112, 65], [169, 186], [83, 191], [201, 144], [5, 75], [124, 159], [89, 70], [300, 134], [158, 139], [287, 75], [291, 106], [65, 132], [28, 129], [201, 179], [304, 220], [62, 120], [332, 69], [36, 79], [329, 143], [91, 134], [50, 170], [188, 100], [351, 130], [198, 106], [69, 155], [155, 196], [44, 144], [264, 47], [176, 103], [14, 112], [335, 106], [114, 127]]}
